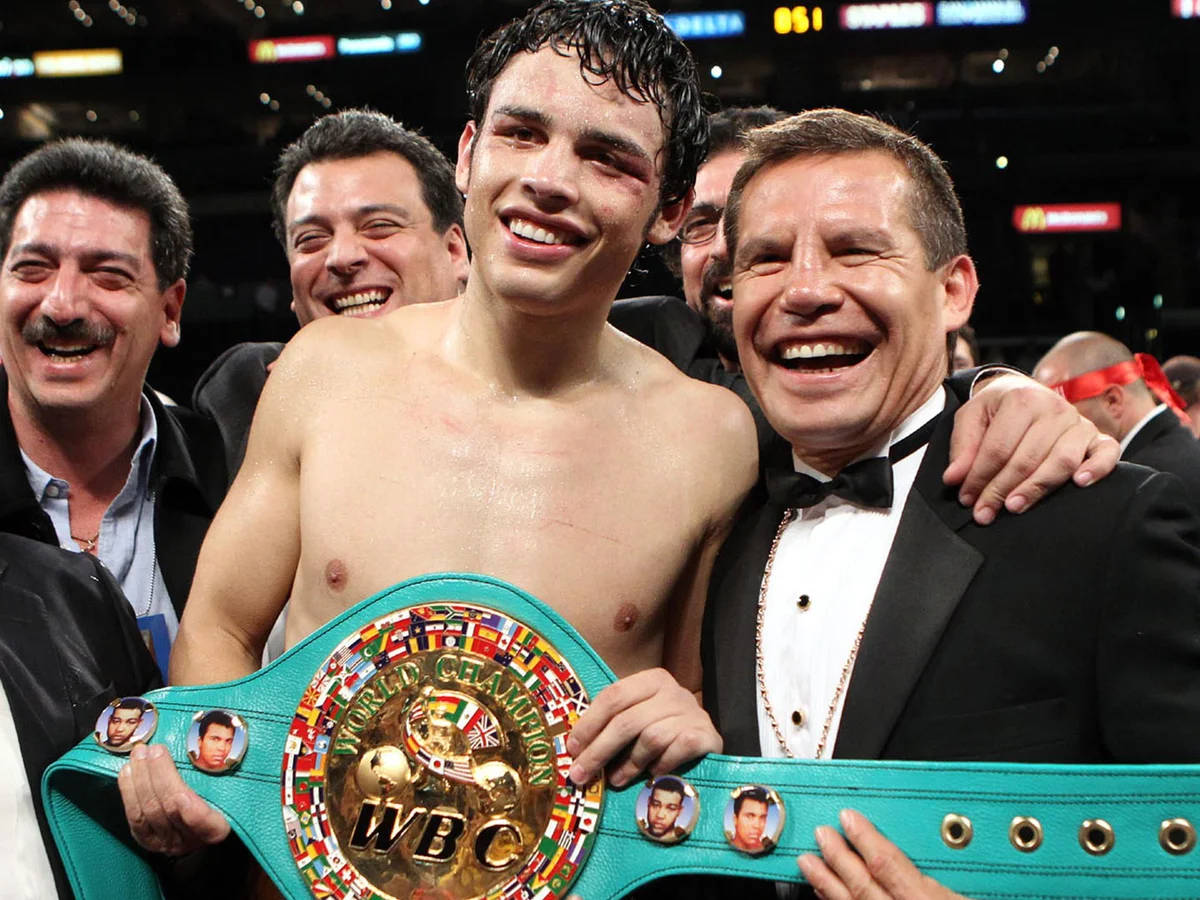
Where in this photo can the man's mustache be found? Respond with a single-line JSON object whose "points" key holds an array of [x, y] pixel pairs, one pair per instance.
{"points": [[715, 273], [77, 331]]}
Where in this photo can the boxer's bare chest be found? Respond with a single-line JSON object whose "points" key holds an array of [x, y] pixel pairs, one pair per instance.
{"points": [[583, 502]]}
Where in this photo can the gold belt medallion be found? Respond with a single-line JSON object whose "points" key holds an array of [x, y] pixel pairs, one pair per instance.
{"points": [[427, 761]]}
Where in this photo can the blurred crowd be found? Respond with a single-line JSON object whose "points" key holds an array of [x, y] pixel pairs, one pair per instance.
{"points": [[455, 400]]}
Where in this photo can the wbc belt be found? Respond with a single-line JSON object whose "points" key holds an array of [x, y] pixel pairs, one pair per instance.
{"points": [[414, 748]]}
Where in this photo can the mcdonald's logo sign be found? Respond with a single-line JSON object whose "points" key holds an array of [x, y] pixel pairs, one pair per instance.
{"points": [[1033, 218], [1048, 217], [292, 49], [263, 52]]}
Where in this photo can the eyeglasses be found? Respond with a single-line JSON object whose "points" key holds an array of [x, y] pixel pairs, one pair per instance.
{"points": [[701, 227]]}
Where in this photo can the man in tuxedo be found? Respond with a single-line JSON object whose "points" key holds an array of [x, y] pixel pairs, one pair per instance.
{"points": [[697, 336], [889, 624], [1129, 398]]}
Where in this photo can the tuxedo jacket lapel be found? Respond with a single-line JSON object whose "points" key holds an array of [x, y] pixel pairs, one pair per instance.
{"points": [[926, 573]]}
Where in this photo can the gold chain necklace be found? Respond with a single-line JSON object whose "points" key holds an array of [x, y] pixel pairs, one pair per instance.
{"points": [[87, 545], [788, 516]]}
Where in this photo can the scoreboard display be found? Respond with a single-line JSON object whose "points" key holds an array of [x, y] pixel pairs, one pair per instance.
{"points": [[883, 16]]}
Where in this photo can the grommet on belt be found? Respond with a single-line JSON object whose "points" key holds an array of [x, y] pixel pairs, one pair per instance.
{"points": [[1177, 836], [1096, 836], [1025, 833], [956, 831]]}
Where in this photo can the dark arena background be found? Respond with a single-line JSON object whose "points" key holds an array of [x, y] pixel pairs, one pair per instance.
{"points": [[1071, 128]]}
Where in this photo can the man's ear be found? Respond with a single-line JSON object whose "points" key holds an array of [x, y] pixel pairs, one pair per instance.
{"points": [[456, 246], [1113, 400], [462, 170], [960, 284], [669, 219], [172, 300]]}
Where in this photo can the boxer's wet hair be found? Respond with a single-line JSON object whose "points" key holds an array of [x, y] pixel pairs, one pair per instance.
{"points": [[934, 210], [623, 41], [102, 169], [354, 133]]}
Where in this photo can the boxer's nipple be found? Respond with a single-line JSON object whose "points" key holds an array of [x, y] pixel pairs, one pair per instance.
{"points": [[626, 617], [336, 575]]}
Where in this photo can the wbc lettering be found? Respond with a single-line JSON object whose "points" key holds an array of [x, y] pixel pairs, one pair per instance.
{"points": [[380, 826]]}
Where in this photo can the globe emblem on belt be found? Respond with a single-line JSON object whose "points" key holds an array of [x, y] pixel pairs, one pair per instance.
{"points": [[427, 758]]}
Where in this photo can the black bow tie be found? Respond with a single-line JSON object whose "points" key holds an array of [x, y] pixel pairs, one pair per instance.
{"points": [[867, 482]]}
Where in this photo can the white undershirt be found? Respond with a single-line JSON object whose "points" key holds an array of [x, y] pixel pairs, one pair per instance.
{"points": [[27, 874], [1139, 426], [834, 554]]}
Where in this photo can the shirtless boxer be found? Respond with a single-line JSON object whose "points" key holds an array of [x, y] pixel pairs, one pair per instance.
{"points": [[509, 431]]}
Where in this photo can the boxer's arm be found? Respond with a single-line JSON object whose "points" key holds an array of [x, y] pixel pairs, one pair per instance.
{"points": [[242, 580], [1015, 441], [248, 561], [653, 720]]}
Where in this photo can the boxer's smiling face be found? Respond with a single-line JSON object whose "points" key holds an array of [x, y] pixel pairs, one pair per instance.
{"points": [[840, 324], [562, 180]]}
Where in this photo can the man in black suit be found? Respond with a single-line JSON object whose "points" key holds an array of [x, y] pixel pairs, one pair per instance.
{"points": [[68, 645], [696, 335], [1129, 398], [887, 623], [370, 220]]}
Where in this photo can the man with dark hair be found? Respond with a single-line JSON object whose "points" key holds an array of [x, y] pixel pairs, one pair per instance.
{"points": [[519, 412], [68, 645], [917, 633], [701, 342], [370, 220], [365, 150], [96, 241], [698, 339]]}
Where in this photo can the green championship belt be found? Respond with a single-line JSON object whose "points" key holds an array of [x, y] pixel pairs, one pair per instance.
{"points": [[415, 747]]}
